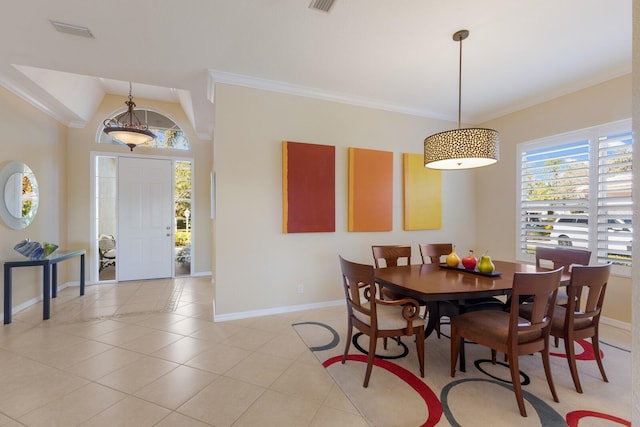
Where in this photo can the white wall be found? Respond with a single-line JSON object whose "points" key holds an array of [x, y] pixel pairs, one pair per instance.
{"points": [[256, 266], [32, 137]]}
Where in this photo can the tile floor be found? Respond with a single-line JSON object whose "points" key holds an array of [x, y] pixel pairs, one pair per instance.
{"points": [[148, 354]]}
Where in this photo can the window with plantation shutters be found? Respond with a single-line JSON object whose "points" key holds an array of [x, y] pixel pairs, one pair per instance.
{"points": [[575, 190], [614, 199]]}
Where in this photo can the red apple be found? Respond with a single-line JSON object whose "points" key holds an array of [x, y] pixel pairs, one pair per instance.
{"points": [[469, 262]]}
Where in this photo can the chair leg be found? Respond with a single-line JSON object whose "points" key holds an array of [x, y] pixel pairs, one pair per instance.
{"points": [[556, 341], [514, 367], [348, 343], [547, 372], [420, 349], [372, 354], [595, 342], [571, 359]]}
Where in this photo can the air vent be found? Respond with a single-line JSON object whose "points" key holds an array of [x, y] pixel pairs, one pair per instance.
{"points": [[323, 5], [74, 30]]}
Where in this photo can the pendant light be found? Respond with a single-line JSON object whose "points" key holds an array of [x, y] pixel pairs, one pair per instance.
{"points": [[127, 128], [462, 148]]}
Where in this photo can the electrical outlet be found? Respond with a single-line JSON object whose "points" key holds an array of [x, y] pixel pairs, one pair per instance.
{"points": [[300, 288]]}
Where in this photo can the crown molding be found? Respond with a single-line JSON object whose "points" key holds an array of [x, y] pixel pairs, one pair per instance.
{"points": [[216, 76]]}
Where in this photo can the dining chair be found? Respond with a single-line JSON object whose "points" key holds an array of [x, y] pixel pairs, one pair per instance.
{"points": [[375, 317], [432, 253], [392, 255], [561, 257], [508, 333], [578, 320], [107, 251]]}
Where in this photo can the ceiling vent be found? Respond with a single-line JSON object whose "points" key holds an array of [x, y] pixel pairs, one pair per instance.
{"points": [[74, 30], [323, 5]]}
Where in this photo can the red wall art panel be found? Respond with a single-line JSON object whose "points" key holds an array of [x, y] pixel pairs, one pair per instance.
{"points": [[308, 187]]}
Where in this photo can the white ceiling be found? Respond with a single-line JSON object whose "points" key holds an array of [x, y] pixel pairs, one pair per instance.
{"points": [[394, 55]]}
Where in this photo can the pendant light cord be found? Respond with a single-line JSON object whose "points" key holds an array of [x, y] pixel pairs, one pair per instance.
{"points": [[460, 83]]}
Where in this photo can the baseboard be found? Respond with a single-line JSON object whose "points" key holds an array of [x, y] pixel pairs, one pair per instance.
{"points": [[616, 323], [18, 308], [272, 311]]}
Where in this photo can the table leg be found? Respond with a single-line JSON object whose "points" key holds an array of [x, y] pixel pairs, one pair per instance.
{"points": [[46, 290], [7, 295], [54, 280], [82, 274], [433, 314]]}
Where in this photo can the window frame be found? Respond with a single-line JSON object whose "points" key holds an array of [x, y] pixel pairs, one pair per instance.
{"points": [[594, 212]]}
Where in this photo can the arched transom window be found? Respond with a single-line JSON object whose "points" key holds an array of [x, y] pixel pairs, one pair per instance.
{"points": [[168, 133]]}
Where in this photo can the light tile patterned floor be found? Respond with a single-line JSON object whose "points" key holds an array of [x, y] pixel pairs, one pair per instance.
{"points": [[147, 353]]}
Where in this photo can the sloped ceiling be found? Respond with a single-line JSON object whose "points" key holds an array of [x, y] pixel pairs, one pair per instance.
{"points": [[397, 56]]}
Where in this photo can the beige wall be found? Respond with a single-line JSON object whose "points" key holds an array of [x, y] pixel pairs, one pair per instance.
{"points": [[32, 137], [496, 209], [257, 267], [82, 144]]}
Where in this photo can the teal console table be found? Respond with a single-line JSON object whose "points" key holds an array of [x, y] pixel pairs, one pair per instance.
{"points": [[49, 278]]}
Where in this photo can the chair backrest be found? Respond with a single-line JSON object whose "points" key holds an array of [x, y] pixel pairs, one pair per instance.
{"points": [[540, 290], [106, 243], [359, 289], [392, 255], [562, 257], [589, 282], [432, 252]]}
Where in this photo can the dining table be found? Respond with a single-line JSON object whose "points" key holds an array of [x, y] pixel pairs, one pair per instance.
{"points": [[430, 283]]}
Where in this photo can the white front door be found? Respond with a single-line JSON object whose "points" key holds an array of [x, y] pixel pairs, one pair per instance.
{"points": [[145, 206]]}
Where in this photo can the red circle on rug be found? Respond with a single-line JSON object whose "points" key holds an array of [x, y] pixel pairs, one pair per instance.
{"points": [[587, 351], [434, 407], [573, 418]]}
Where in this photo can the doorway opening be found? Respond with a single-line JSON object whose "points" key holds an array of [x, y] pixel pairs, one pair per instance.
{"points": [[106, 214]]}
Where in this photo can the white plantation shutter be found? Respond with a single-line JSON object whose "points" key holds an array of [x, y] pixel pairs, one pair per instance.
{"points": [[575, 190], [554, 204], [614, 199]]}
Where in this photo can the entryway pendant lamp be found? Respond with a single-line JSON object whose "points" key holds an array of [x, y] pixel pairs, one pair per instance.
{"points": [[127, 128], [461, 148]]}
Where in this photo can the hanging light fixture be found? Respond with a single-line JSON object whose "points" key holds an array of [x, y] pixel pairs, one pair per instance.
{"points": [[127, 127], [461, 148]]}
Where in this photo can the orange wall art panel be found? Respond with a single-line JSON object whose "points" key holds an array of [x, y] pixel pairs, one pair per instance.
{"points": [[422, 194], [308, 188], [370, 190]]}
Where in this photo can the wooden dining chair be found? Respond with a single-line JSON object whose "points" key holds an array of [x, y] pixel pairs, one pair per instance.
{"points": [[578, 320], [392, 255], [508, 333], [375, 317], [561, 257]]}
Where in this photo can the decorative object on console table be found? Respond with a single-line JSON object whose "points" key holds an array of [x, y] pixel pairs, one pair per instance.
{"points": [[35, 250]]}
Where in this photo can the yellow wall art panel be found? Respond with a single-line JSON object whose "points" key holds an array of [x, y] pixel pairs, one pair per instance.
{"points": [[422, 194]]}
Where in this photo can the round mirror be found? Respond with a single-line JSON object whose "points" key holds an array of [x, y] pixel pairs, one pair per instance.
{"points": [[20, 195]]}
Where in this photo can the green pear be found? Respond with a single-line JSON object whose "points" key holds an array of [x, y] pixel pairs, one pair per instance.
{"points": [[486, 265]]}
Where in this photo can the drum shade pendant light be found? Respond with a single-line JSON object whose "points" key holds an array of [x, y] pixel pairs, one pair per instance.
{"points": [[464, 148], [127, 128]]}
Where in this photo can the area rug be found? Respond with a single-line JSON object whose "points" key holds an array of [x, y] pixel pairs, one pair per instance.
{"points": [[481, 396]]}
